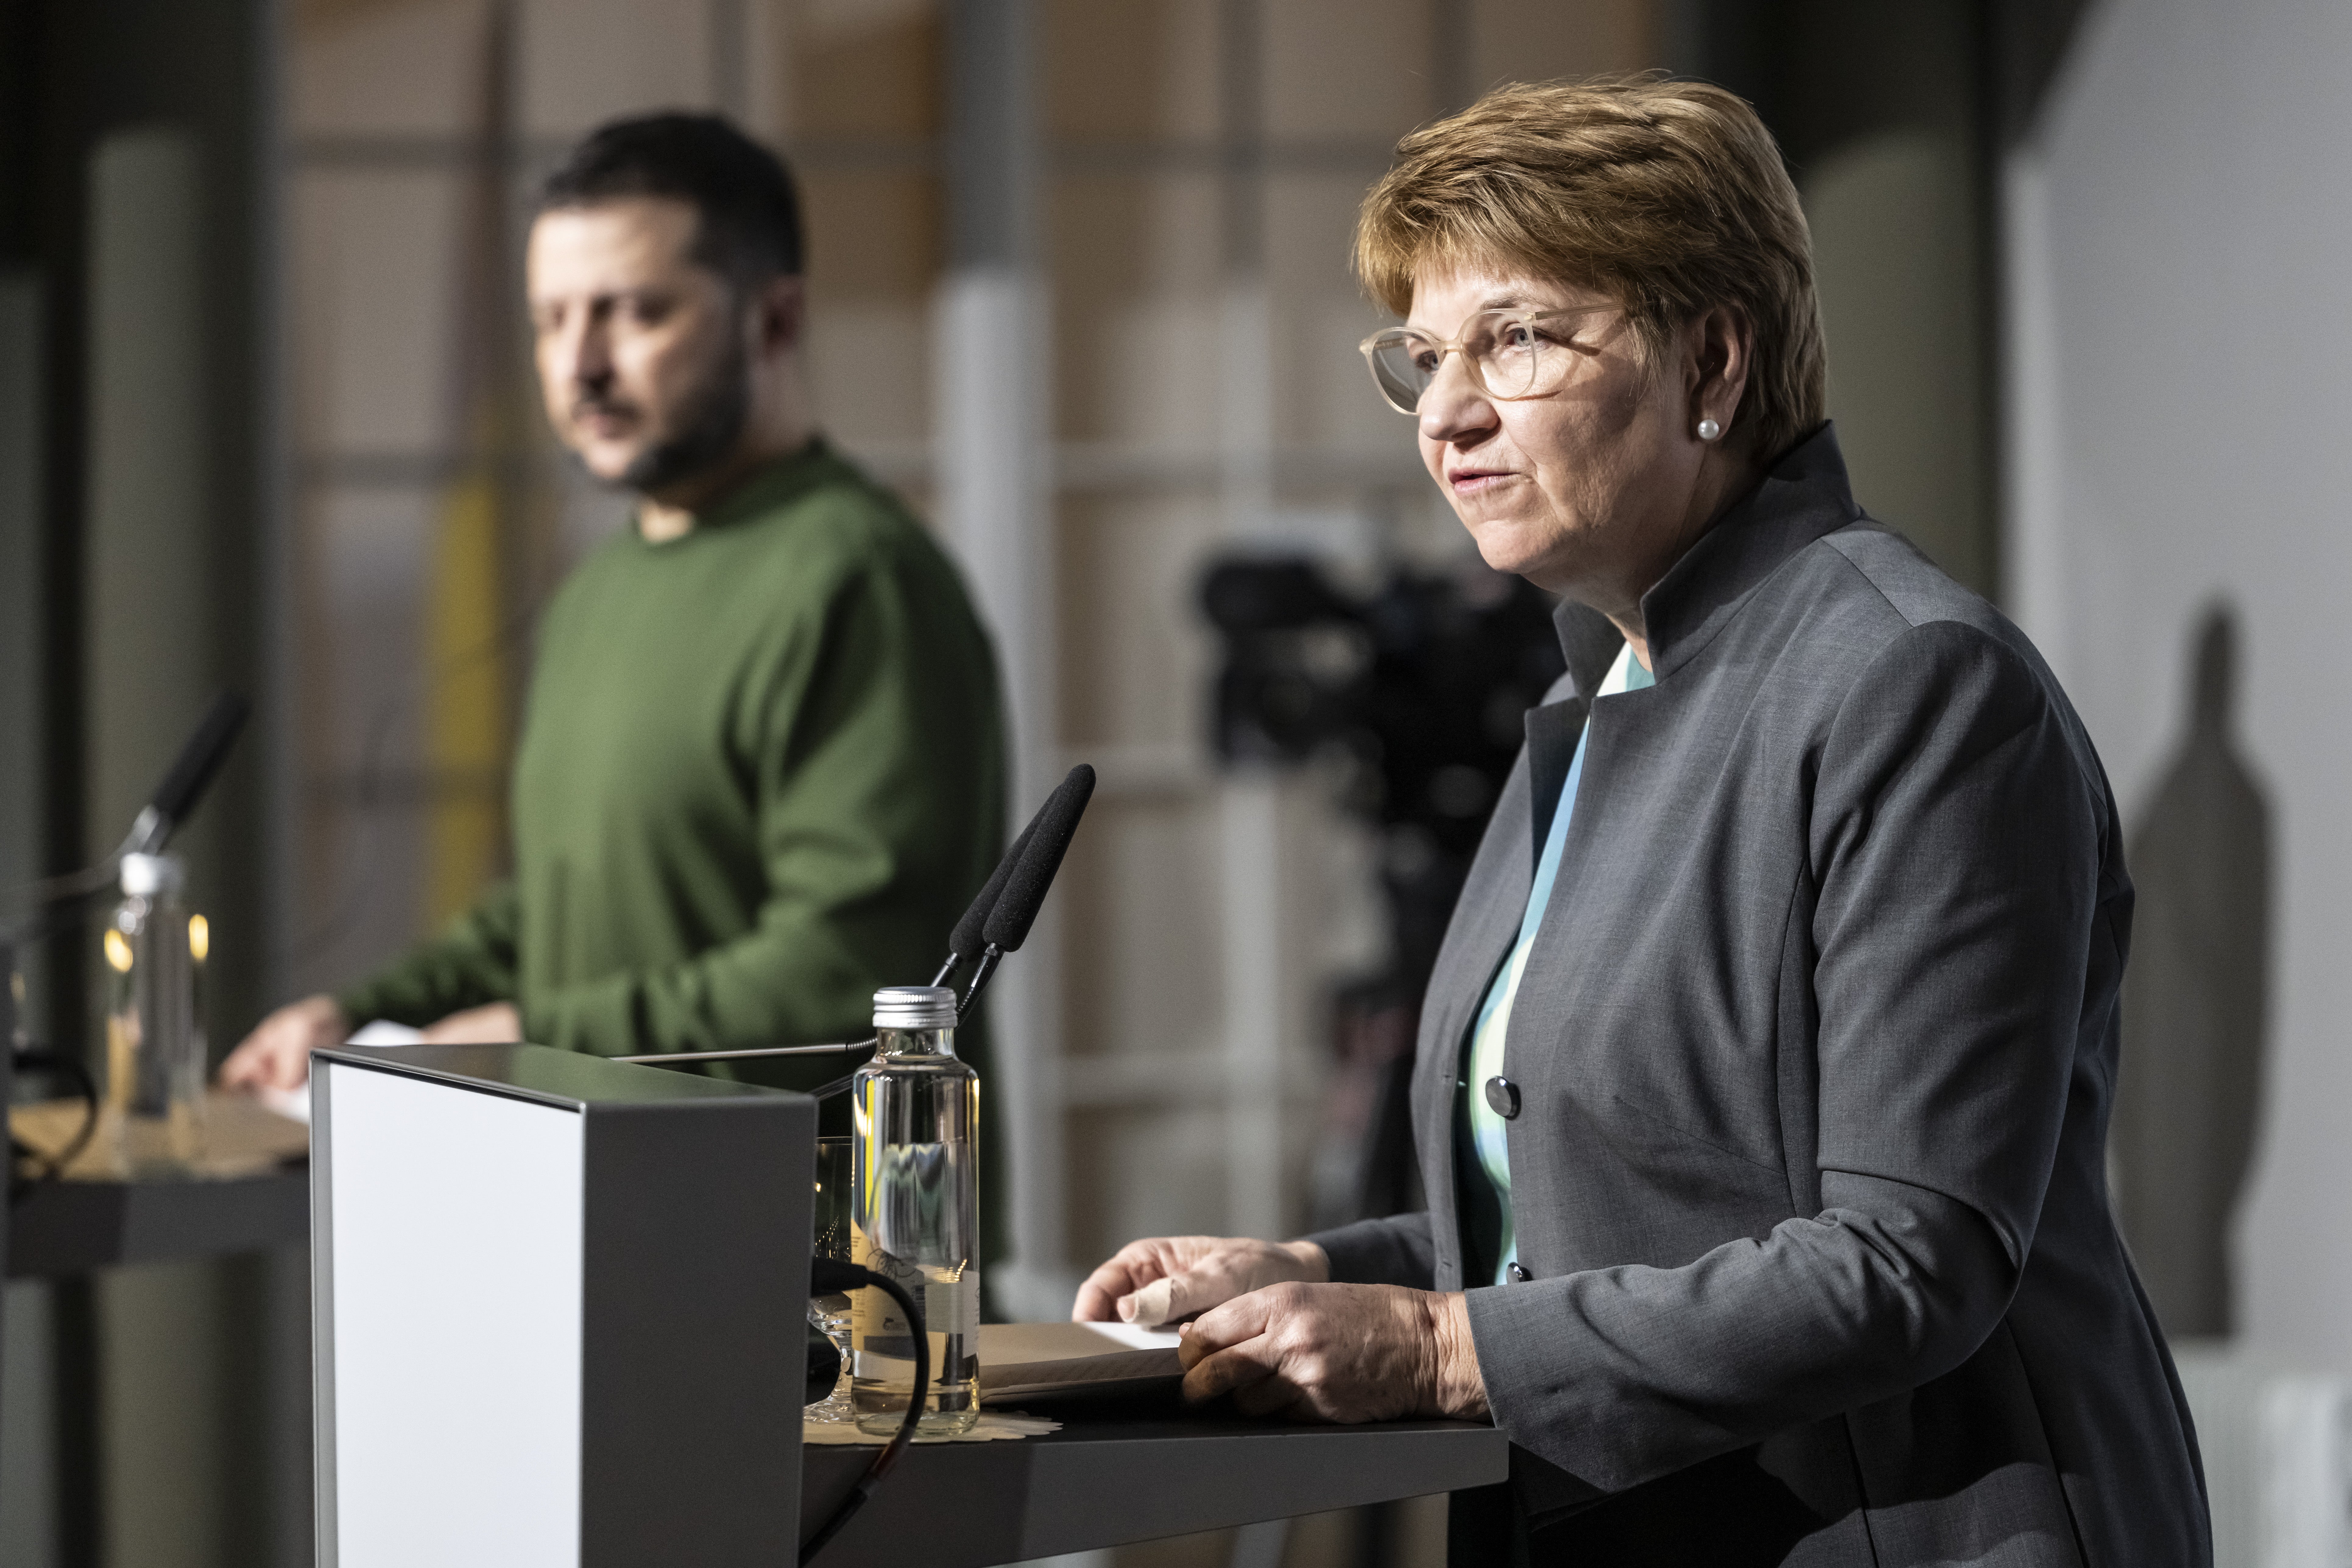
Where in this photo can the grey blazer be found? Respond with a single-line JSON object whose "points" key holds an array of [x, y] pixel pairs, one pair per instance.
{"points": [[1815, 1052]]}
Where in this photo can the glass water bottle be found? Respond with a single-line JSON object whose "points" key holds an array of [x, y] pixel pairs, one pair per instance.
{"points": [[917, 1214], [152, 1115]]}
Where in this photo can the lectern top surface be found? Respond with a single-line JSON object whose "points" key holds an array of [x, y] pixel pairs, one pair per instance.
{"points": [[566, 1079]]}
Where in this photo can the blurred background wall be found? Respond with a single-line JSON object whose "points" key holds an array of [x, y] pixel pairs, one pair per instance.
{"points": [[1079, 290], [2177, 258], [2173, 225]]}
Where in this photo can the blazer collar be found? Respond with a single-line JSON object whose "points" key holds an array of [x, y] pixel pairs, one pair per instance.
{"points": [[1804, 496]]}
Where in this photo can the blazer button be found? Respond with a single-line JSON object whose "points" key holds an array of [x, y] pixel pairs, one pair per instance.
{"points": [[1503, 1098], [1519, 1276]]}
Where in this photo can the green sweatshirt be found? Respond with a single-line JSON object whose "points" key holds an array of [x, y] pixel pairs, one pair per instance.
{"points": [[761, 773]]}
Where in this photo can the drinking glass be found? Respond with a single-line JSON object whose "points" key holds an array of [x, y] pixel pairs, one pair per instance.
{"points": [[830, 1237]]}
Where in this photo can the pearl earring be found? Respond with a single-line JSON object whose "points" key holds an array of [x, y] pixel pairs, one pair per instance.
{"points": [[1709, 429]]}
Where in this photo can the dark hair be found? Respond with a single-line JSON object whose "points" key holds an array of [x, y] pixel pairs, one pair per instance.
{"points": [[750, 227]]}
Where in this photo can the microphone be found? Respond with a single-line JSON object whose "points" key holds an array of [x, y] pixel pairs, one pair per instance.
{"points": [[997, 922], [1046, 840], [1041, 858], [183, 787], [191, 774], [967, 938]]}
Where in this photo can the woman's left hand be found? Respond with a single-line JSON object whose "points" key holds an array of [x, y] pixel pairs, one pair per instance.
{"points": [[1338, 1353]]}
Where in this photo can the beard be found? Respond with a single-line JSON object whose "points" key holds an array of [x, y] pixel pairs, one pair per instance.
{"points": [[709, 424]]}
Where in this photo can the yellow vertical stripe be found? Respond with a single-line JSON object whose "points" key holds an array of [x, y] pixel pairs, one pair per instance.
{"points": [[465, 719]]}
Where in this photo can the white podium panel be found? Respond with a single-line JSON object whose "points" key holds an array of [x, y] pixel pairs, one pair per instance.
{"points": [[457, 1335], [559, 1308]]}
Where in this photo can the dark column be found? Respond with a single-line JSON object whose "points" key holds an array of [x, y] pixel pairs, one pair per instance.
{"points": [[197, 74], [1887, 117]]}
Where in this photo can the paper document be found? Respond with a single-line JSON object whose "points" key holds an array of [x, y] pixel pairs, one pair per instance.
{"points": [[1020, 1361], [295, 1103], [384, 1032]]}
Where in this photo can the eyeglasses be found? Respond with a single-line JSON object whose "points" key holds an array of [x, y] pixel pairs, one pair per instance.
{"points": [[1510, 354]]}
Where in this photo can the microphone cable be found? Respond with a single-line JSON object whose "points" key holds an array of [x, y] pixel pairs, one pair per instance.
{"points": [[831, 1276], [52, 1167]]}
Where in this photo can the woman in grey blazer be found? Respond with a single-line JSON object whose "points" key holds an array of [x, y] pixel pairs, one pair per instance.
{"points": [[1764, 1077]]}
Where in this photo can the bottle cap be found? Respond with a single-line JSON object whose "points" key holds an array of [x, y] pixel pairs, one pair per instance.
{"points": [[147, 875], [914, 1007]]}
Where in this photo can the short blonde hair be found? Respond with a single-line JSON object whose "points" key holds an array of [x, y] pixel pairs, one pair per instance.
{"points": [[1669, 196]]}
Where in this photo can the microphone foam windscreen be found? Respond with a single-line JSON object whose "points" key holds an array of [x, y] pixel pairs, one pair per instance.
{"points": [[1049, 837], [971, 931], [201, 758]]}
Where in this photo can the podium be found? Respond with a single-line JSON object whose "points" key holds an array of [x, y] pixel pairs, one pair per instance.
{"points": [[557, 1324], [558, 1308]]}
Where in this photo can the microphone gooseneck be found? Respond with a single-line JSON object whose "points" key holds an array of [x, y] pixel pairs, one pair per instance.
{"points": [[662, 1059], [982, 972]]}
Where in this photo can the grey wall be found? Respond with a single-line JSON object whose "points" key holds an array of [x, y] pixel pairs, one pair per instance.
{"points": [[2177, 221]]}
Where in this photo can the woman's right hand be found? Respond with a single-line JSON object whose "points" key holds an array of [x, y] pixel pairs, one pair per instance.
{"points": [[1169, 1278]]}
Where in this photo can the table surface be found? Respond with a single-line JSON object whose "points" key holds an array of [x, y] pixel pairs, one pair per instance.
{"points": [[1107, 1479], [250, 1193]]}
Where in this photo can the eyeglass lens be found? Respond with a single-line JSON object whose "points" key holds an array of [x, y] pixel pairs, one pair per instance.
{"points": [[1507, 354]]}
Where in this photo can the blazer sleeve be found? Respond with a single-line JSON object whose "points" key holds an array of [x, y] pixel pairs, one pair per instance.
{"points": [[1392, 1251], [1954, 846]]}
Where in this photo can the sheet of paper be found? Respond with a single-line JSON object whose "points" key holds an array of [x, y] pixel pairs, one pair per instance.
{"points": [[383, 1032], [295, 1103]]}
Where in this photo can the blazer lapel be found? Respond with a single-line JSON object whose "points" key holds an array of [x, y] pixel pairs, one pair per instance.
{"points": [[1487, 917], [1553, 731]]}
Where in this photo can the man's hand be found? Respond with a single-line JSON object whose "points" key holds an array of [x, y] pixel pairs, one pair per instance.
{"points": [[1171, 1277], [1338, 1353], [496, 1025], [276, 1055]]}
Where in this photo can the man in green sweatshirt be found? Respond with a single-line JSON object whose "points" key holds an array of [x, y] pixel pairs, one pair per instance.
{"points": [[761, 766]]}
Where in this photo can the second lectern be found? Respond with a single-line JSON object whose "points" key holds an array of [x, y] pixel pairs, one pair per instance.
{"points": [[555, 1311]]}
